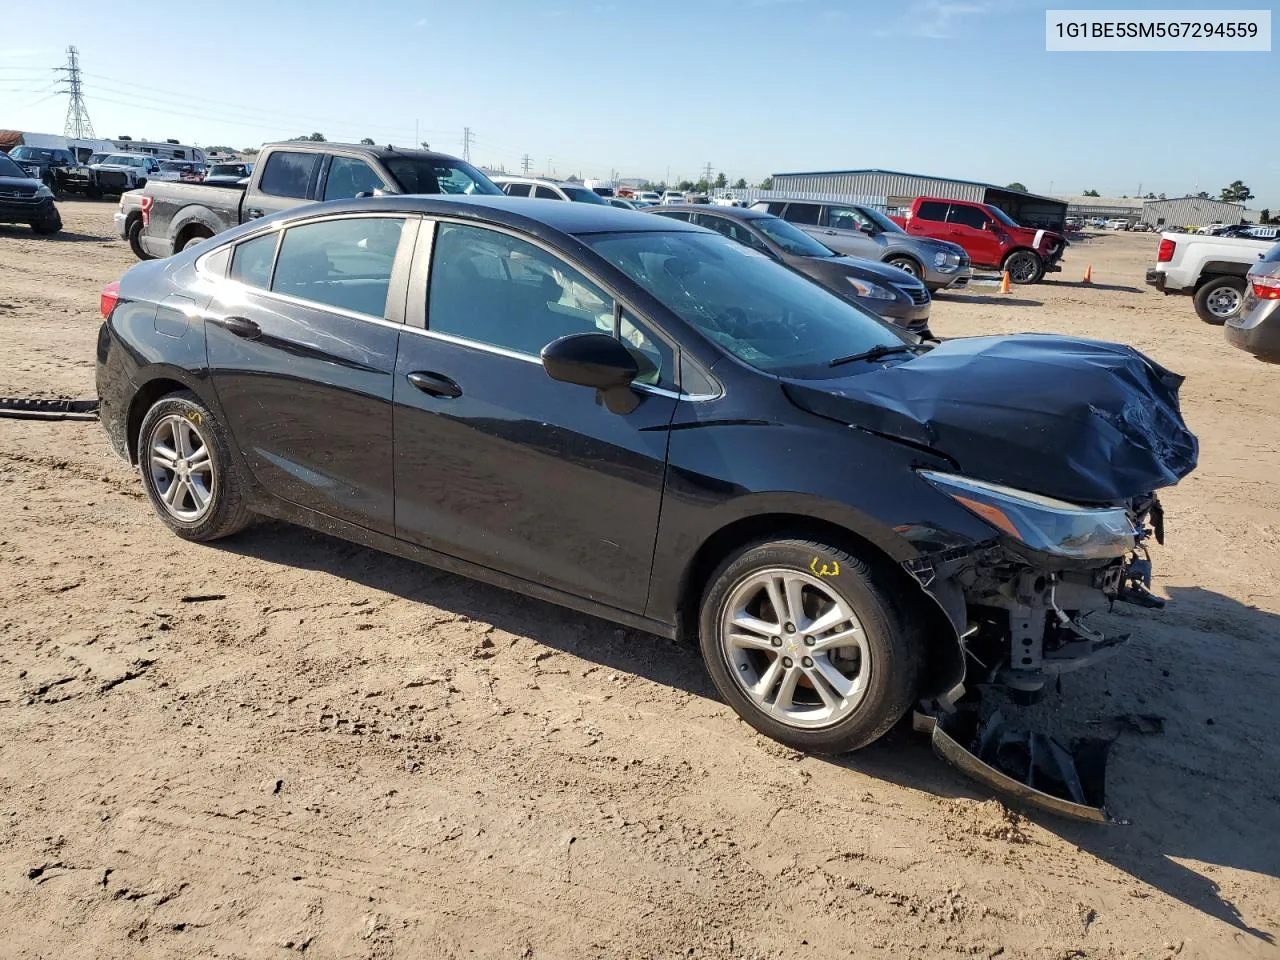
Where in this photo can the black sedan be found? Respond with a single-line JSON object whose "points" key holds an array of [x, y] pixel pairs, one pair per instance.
{"points": [[641, 419], [24, 199], [886, 291]]}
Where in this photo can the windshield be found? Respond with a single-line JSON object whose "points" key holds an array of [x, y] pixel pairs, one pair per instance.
{"points": [[579, 195], [880, 220], [30, 153], [791, 239], [10, 169], [758, 310], [1003, 217], [439, 175], [228, 170]]}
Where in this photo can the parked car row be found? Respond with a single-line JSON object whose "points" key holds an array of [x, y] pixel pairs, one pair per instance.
{"points": [[1211, 270], [26, 199]]}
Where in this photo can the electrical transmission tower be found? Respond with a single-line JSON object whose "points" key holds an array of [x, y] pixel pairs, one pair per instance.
{"points": [[78, 125], [467, 137], [525, 163], [706, 174]]}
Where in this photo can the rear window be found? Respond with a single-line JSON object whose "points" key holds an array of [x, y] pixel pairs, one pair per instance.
{"points": [[288, 174], [805, 213]]}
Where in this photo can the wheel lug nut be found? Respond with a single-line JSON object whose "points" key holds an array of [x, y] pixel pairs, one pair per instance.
{"points": [[786, 661], [807, 661], [791, 628], [776, 641], [808, 641]]}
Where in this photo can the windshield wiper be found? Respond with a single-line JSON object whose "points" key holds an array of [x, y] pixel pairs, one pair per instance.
{"points": [[875, 353]]}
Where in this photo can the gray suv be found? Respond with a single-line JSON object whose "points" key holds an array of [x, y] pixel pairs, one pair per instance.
{"points": [[859, 231]]}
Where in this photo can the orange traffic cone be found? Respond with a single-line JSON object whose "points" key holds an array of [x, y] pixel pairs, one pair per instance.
{"points": [[1004, 282], [1088, 274]]}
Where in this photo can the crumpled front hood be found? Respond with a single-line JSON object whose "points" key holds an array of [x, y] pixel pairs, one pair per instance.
{"points": [[1080, 420]]}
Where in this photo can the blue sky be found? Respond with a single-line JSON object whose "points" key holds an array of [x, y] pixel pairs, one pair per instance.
{"points": [[960, 88]]}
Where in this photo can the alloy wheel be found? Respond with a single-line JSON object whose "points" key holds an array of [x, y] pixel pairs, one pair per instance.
{"points": [[182, 468], [795, 647]]}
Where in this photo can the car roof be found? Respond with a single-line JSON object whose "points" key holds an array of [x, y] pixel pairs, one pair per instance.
{"points": [[521, 213], [381, 153], [545, 181], [738, 213]]}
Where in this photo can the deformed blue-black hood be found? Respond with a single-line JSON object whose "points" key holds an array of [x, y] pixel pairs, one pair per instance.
{"points": [[1080, 420]]}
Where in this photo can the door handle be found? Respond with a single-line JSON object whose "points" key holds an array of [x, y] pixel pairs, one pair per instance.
{"points": [[436, 384], [253, 213], [240, 326]]}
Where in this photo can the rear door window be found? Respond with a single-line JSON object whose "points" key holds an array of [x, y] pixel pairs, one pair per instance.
{"points": [[803, 213], [251, 262], [348, 177], [517, 189], [288, 174], [344, 263], [546, 193], [932, 210]]}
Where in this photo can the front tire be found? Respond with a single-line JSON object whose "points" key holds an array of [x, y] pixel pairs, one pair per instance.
{"points": [[908, 265], [1220, 300], [187, 470], [804, 641], [49, 224], [1024, 267]]}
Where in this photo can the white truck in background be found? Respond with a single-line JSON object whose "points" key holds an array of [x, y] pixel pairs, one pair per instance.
{"points": [[1210, 269]]}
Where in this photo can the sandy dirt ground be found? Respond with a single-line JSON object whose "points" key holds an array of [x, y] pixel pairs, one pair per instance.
{"points": [[287, 744]]}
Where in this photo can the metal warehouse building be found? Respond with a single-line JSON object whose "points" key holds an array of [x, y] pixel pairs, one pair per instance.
{"points": [[1191, 212], [900, 189], [1129, 208]]}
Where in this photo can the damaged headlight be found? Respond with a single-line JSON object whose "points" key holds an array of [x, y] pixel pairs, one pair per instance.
{"points": [[1042, 523]]}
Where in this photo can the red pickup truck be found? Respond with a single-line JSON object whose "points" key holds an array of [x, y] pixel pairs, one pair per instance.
{"points": [[990, 236]]}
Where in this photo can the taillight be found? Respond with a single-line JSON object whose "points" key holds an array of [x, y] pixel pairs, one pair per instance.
{"points": [[1165, 253], [1266, 288], [146, 210], [110, 297]]}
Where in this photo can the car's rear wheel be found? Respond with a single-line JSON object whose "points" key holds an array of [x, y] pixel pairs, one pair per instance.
{"points": [[1024, 266], [187, 470], [1220, 299], [808, 646], [192, 239], [135, 239], [907, 264]]}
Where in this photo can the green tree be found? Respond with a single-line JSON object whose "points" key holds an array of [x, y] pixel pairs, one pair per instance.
{"points": [[721, 181], [1203, 195], [1264, 216], [1020, 187], [315, 137], [425, 145], [1162, 197], [766, 183], [740, 184], [1149, 196], [1091, 193], [1236, 192], [250, 151], [368, 141], [685, 185]]}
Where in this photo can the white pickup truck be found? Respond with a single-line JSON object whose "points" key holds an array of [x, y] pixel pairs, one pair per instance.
{"points": [[1212, 269]]}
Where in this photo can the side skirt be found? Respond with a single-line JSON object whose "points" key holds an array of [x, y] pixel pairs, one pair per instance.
{"points": [[302, 516]]}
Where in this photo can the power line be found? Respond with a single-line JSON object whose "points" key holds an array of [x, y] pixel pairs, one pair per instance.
{"points": [[78, 125]]}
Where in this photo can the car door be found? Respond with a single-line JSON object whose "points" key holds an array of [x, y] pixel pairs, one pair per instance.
{"points": [[500, 465], [342, 178], [288, 179], [967, 226], [301, 340], [842, 231]]}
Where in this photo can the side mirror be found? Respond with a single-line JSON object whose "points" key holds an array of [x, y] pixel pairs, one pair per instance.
{"points": [[867, 228], [594, 360]]}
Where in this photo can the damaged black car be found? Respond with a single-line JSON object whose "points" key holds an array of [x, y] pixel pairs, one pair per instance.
{"points": [[646, 421]]}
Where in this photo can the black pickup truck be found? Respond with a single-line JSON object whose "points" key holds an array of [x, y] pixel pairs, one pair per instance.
{"points": [[175, 215]]}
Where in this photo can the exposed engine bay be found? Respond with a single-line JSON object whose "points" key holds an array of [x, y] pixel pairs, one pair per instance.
{"points": [[1023, 619]]}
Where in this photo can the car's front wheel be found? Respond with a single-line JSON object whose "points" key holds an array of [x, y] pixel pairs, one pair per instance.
{"points": [[808, 646], [187, 470], [1023, 266], [907, 264], [49, 224]]}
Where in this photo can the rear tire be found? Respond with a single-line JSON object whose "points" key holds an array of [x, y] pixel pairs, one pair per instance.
{"points": [[192, 240], [1220, 299], [135, 240], [841, 668], [185, 460], [1024, 267]]}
